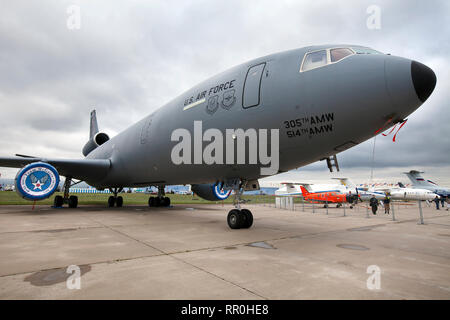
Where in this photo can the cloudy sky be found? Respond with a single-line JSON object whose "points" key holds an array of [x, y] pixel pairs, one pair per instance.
{"points": [[128, 58]]}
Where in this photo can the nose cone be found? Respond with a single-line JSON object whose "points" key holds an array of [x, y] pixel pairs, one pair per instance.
{"points": [[424, 80]]}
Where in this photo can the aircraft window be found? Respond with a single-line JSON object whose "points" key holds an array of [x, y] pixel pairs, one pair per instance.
{"points": [[363, 50], [314, 60], [339, 53]]}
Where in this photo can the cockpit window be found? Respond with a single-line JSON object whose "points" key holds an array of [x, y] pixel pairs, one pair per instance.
{"points": [[364, 50], [314, 60], [321, 58], [339, 53]]}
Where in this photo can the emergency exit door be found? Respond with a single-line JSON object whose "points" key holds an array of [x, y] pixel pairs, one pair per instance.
{"points": [[252, 86]]}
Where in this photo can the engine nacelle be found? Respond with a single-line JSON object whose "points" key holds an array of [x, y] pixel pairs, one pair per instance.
{"points": [[211, 192], [37, 181], [99, 139]]}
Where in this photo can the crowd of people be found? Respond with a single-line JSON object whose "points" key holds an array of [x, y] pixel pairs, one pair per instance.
{"points": [[444, 202]]}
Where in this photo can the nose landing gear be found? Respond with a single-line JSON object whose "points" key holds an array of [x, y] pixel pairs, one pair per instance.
{"points": [[239, 218]]}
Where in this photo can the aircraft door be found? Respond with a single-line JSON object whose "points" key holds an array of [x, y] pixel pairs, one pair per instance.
{"points": [[252, 86]]}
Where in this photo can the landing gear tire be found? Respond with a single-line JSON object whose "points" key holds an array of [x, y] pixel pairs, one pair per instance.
{"points": [[111, 201], [167, 202], [58, 201], [157, 202], [248, 218], [119, 201], [73, 201], [235, 219]]}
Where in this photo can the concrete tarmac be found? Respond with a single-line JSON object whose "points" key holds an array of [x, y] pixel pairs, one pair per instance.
{"points": [[188, 252]]}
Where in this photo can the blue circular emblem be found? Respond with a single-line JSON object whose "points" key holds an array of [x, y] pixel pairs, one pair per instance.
{"points": [[37, 181], [220, 193]]}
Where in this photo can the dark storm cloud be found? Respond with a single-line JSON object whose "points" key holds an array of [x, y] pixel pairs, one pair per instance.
{"points": [[130, 58]]}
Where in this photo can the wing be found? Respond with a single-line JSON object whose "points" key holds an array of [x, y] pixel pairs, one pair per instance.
{"points": [[81, 169]]}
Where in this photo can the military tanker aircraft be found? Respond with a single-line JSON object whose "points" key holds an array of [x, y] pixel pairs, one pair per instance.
{"points": [[315, 102]]}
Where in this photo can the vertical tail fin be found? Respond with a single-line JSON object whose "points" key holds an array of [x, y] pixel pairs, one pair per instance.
{"points": [[417, 179], [93, 128], [304, 191], [346, 182]]}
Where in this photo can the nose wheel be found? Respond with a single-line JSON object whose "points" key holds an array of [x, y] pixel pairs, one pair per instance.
{"points": [[239, 218]]}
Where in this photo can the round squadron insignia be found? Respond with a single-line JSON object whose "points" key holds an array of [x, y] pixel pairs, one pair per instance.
{"points": [[37, 181], [228, 99], [220, 193], [213, 104]]}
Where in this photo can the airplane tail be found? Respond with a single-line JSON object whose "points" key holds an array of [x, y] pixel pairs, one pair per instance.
{"points": [[347, 182], [95, 138], [417, 179], [93, 128], [304, 191], [401, 185]]}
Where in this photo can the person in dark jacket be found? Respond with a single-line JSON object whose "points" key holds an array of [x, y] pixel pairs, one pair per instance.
{"points": [[374, 204], [436, 200], [386, 202], [443, 200]]}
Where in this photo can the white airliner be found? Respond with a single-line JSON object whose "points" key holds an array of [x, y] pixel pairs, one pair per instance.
{"points": [[419, 182], [396, 193]]}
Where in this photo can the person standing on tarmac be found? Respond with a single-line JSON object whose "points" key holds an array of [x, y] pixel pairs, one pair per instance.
{"points": [[436, 200], [443, 201], [386, 202], [374, 204]]}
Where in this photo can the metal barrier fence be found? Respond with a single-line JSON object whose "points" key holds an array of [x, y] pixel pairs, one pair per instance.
{"points": [[398, 210]]}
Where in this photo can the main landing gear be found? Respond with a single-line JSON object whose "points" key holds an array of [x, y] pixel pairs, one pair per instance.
{"points": [[115, 200], [160, 200], [239, 218], [72, 201]]}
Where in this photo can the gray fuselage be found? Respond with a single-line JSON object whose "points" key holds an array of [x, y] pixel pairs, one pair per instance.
{"points": [[319, 112]]}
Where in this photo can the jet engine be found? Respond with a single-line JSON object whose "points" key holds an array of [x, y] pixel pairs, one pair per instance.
{"points": [[97, 140], [37, 181], [211, 192]]}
